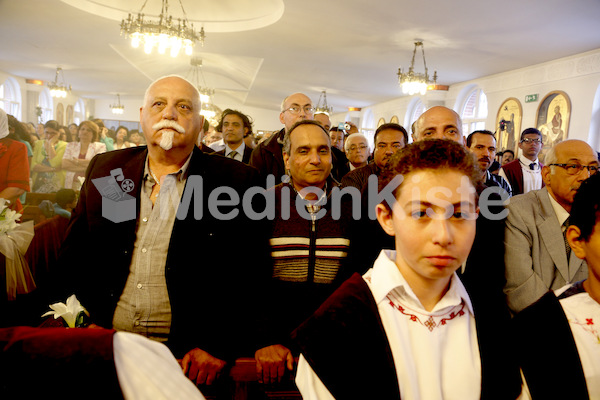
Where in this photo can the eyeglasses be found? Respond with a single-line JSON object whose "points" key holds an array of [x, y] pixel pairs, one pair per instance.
{"points": [[355, 147], [296, 109], [575, 169], [527, 140]]}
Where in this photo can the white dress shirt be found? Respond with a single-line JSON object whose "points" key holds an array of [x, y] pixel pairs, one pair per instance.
{"points": [[532, 178], [433, 360], [240, 151]]}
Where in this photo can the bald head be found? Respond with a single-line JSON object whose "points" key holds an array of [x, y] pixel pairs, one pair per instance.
{"points": [[294, 108], [439, 123]]}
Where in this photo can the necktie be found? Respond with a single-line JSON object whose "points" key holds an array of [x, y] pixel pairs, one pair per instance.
{"points": [[567, 247], [532, 166], [232, 154]]}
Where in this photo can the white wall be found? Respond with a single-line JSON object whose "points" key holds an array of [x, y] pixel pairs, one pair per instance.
{"points": [[578, 76]]}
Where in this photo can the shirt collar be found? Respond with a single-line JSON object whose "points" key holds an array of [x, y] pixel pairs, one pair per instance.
{"points": [[526, 161], [560, 212], [240, 149], [180, 174], [386, 277]]}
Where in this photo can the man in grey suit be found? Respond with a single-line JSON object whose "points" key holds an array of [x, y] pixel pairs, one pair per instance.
{"points": [[536, 256]]}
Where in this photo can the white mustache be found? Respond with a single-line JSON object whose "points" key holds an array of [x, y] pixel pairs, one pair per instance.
{"points": [[167, 123]]}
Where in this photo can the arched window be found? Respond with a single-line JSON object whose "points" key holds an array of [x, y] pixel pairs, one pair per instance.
{"points": [[79, 114], [368, 126], [414, 111], [10, 98], [474, 111], [45, 106]]}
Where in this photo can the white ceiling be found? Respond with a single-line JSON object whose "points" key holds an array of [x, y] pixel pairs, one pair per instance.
{"points": [[352, 48]]}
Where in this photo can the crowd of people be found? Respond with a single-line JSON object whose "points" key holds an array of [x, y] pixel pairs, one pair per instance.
{"points": [[412, 271]]}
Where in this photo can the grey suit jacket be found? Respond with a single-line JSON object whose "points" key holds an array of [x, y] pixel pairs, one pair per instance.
{"points": [[534, 254]]}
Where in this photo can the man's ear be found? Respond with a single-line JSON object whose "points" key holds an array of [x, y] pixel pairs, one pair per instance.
{"points": [[385, 219], [286, 158], [281, 118], [546, 171], [576, 241]]}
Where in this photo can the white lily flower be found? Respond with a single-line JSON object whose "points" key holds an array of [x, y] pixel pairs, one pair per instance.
{"points": [[69, 312]]}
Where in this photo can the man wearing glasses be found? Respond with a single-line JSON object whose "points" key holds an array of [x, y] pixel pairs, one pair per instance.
{"points": [[357, 150], [267, 156], [537, 257], [525, 173]]}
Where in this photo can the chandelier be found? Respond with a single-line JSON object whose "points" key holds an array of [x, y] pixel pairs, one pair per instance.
{"points": [[413, 82], [163, 34], [207, 108], [118, 108], [323, 108], [59, 90]]}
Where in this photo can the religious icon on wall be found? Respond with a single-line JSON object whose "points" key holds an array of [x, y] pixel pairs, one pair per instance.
{"points": [[553, 119], [508, 125]]}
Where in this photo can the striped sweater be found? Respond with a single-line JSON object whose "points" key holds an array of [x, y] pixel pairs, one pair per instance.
{"points": [[308, 259]]}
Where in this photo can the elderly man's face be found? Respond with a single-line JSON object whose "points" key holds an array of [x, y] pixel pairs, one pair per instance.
{"points": [[439, 123], [171, 101], [357, 150], [297, 107], [561, 185]]}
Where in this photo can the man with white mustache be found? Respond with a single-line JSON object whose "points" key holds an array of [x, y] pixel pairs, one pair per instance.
{"points": [[152, 280]]}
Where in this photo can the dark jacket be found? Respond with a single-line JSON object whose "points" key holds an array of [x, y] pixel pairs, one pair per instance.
{"points": [[547, 352], [267, 158], [245, 156], [204, 283]]}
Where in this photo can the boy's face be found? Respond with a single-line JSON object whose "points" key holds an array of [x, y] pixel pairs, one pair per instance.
{"points": [[433, 221]]}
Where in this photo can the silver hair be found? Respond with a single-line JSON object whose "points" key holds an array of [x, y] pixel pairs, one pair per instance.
{"points": [[346, 145]]}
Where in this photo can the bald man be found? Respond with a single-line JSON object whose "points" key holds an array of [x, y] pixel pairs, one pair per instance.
{"points": [[267, 157], [536, 257], [439, 123]]}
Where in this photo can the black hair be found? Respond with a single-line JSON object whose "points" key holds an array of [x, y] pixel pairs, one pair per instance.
{"points": [[393, 126], [481, 132], [585, 211], [432, 154], [529, 131]]}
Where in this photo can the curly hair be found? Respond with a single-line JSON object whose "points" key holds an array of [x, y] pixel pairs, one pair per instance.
{"points": [[432, 154]]}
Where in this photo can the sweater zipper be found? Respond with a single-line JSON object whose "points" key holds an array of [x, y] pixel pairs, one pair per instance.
{"points": [[312, 249]]}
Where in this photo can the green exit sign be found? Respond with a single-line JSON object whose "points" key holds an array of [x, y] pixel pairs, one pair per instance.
{"points": [[531, 98]]}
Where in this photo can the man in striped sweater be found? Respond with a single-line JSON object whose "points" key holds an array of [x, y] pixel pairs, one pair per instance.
{"points": [[309, 240]]}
